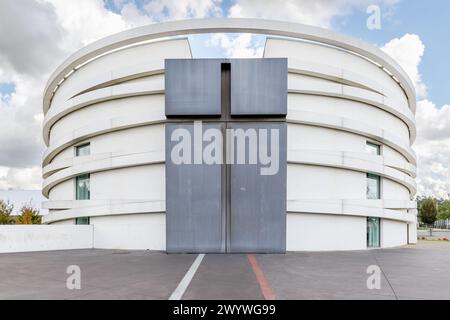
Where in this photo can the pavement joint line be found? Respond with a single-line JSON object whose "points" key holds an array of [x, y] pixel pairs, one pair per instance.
{"points": [[184, 283], [261, 278], [385, 275]]}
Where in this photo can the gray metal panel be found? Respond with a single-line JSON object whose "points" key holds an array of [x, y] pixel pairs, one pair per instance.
{"points": [[258, 202], [259, 86], [194, 219], [192, 87]]}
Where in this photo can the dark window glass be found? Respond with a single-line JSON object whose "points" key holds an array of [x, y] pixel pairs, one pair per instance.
{"points": [[83, 186], [373, 148], [83, 220], [373, 186], [373, 232], [83, 150]]}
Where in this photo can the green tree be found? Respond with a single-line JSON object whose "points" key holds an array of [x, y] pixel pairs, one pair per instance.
{"points": [[5, 213], [28, 215], [444, 210], [428, 212]]}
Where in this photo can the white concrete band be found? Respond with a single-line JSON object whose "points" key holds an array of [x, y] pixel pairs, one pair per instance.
{"points": [[362, 208], [303, 117], [342, 160], [155, 67], [257, 26]]}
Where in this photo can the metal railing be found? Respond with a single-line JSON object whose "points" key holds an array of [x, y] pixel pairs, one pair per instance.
{"points": [[442, 224], [439, 224]]}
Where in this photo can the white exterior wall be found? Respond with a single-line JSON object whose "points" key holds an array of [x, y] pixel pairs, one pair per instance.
{"points": [[412, 233], [132, 232], [121, 60], [114, 109], [69, 222], [116, 103], [317, 232], [394, 190], [311, 182], [141, 139], [348, 109], [63, 191], [389, 152], [317, 53], [306, 137], [143, 182], [26, 238], [65, 154], [393, 233]]}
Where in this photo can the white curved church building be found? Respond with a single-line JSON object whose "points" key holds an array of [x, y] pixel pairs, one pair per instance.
{"points": [[350, 124]]}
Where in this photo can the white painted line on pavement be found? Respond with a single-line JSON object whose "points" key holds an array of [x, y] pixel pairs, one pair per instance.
{"points": [[184, 283]]}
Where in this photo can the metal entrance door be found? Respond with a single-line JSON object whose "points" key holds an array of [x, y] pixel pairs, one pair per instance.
{"points": [[195, 221], [257, 220], [232, 206]]}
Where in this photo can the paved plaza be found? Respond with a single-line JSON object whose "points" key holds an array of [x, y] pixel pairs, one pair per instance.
{"points": [[412, 272]]}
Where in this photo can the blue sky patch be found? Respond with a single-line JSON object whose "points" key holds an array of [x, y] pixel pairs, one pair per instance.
{"points": [[116, 6], [6, 90]]}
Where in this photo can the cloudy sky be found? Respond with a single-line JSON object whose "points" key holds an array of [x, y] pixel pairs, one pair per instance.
{"points": [[37, 35]]}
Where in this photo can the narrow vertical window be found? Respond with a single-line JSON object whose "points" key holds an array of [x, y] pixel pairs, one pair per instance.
{"points": [[373, 232], [226, 90], [83, 150], [83, 187], [373, 186], [83, 221], [373, 148]]}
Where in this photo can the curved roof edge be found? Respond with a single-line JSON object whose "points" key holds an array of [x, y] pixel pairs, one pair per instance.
{"points": [[230, 25]]}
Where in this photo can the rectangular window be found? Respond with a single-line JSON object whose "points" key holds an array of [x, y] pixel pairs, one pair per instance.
{"points": [[373, 148], [373, 186], [83, 221], [373, 232], [83, 187], [83, 150]]}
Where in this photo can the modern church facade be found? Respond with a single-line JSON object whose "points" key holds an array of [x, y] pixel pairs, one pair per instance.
{"points": [[307, 148]]}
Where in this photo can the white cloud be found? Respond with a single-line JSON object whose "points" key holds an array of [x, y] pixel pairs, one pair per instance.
{"points": [[133, 16], [408, 51], [161, 10], [433, 123], [20, 134], [23, 179], [29, 35], [237, 46], [85, 21], [318, 12], [433, 149]]}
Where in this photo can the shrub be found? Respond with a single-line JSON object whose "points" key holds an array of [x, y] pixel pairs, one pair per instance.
{"points": [[5, 212], [28, 215]]}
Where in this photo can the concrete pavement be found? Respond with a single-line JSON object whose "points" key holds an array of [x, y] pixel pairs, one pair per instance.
{"points": [[413, 272]]}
